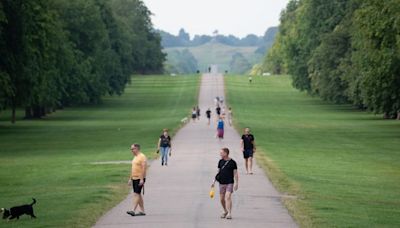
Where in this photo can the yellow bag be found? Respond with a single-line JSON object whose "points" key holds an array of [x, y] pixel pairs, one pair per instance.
{"points": [[212, 192]]}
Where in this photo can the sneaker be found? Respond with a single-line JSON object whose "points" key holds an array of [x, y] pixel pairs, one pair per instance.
{"points": [[132, 213], [224, 215]]}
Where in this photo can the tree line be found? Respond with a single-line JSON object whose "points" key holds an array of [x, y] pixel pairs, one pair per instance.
{"points": [[183, 39], [345, 51], [57, 53], [181, 62]]}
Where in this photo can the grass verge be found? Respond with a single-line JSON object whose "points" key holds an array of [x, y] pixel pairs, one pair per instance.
{"points": [[50, 159], [340, 163]]}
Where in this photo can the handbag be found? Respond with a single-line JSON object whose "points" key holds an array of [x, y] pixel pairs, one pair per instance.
{"points": [[217, 176]]}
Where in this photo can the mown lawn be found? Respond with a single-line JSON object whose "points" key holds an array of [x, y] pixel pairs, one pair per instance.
{"points": [[50, 159], [342, 164]]}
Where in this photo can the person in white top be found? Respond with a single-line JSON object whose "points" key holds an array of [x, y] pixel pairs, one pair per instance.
{"points": [[230, 114]]}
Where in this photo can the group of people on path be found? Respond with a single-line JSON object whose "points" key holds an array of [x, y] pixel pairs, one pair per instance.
{"points": [[221, 115], [227, 175], [195, 113]]}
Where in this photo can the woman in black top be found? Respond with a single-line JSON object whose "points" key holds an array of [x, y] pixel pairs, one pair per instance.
{"points": [[164, 145]]}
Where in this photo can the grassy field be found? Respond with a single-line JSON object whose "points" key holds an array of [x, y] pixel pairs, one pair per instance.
{"points": [[50, 159], [342, 164], [217, 53]]}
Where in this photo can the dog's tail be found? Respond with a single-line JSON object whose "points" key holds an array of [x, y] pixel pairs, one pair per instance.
{"points": [[34, 201]]}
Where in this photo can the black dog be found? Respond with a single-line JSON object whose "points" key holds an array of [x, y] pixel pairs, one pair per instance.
{"points": [[17, 211]]}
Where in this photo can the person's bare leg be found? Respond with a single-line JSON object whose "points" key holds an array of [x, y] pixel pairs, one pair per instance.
{"points": [[246, 164], [222, 198], [136, 200], [228, 203], [141, 203], [251, 165]]}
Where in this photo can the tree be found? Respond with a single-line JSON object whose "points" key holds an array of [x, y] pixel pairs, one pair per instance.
{"points": [[183, 36], [181, 62], [328, 64], [200, 40], [343, 51], [377, 55], [146, 51], [274, 61], [60, 53], [239, 64], [5, 80], [324, 67]]}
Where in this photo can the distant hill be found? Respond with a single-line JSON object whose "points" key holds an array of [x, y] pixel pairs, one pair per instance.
{"points": [[215, 53], [228, 52]]}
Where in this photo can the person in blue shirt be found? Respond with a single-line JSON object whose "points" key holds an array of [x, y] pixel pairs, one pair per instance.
{"points": [[220, 128]]}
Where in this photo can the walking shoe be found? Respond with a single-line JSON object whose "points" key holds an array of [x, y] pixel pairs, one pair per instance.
{"points": [[132, 213], [140, 214], [224, 215]]}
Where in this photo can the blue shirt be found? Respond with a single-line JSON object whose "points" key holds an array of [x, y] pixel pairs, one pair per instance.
{"points": [[220, 124]]}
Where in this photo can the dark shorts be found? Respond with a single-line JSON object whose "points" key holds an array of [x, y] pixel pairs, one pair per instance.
{"points": [[136, 187], [194, 116], [247, 153]]}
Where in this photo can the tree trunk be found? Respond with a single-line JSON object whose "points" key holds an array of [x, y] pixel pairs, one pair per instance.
{"points": [[42, 111], [28, 113], [13, 115], [37, 112], [398, 115], [386, 116]]}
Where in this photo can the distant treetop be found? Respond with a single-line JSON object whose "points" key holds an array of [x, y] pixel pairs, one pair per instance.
{"points": [[183, 39]]}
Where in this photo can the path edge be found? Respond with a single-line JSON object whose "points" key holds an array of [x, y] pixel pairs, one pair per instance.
{"points": [[297, 208]]}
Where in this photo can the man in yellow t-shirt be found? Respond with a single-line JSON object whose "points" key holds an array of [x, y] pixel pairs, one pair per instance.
{"points": [[137, 178]]}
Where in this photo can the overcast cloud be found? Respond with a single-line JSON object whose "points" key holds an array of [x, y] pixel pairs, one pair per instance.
{"points": [[236, 17]]}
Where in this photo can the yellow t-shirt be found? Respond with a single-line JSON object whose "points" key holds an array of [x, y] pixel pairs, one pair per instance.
{"points": [[137, 166]]}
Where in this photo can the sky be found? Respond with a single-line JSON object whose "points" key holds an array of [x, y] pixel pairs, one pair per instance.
{"points": [[235, 17]]}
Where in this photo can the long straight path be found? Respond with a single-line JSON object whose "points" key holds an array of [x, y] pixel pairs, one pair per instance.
{"points": [[177, 195]]}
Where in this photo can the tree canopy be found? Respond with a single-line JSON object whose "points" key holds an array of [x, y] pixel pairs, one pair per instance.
{"points": [[342, 50], [183, 39], [59, 53]]}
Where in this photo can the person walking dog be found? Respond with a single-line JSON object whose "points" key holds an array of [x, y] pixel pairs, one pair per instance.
{"points": [[137, 179]]}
